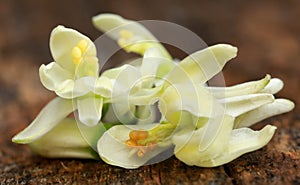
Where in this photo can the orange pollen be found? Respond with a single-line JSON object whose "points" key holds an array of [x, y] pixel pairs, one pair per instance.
{"points": [[133, 142], [138, 135]]}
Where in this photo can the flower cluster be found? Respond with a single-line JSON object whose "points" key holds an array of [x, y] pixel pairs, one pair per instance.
{"points": [[150, 108]]}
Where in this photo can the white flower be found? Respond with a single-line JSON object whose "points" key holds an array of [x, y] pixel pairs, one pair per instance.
{"points": [[228, 144], [74, 74], [205, 126], [203, 122]]}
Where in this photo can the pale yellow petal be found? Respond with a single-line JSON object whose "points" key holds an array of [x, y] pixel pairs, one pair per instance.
{"points": [[202, 65]]}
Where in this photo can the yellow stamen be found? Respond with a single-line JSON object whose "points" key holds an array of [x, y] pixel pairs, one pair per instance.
{"points": [[126, 34], [82, 45], [134, 142], [78, 51]]}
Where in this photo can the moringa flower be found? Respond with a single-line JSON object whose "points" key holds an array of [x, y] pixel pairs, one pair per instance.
{"points": [[132, 37], [210, 113], [228, 144], [118, 110], [232, 139], [73, 76], [115, 149], [74, 59]]}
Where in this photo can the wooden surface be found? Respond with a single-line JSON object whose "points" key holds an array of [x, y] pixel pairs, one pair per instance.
{"points": [[267, 34]]}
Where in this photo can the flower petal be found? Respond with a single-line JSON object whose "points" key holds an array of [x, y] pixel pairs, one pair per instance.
{"points": [[113, 150], [202, 65], [239, 105], [65, 141], [62, 42], [89, 109], [154, 66], [139, 38], [194, 99], [241, 89], [279, 106], [242, 140], [54, 77], [125, 79], [188, 147], [103, 86], [106, 22], [77, 88], [48, 118], [146, 96], [273, 87]]}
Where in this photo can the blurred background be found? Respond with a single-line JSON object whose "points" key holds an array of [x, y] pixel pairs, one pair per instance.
{"points": [[267, 34]]}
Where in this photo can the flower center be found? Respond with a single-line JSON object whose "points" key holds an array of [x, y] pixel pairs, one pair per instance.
{"points": [[145, 141], [78, 51], [135, 141]]}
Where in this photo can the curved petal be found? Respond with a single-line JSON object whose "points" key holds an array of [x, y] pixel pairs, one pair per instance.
{"points": [[53, 76], [48, 118], [241, 89], [145, 96], [239, 105], [89, 109], [131, 35], [103, 86], [65, 141], [72, 89], [273, 87], [106, 22], [113, 150], [154, 66], [62, 42], [126, 79], [57, 79], [188, 146], [242, 140], [279, 106], [202, 65], [194, 99]]}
